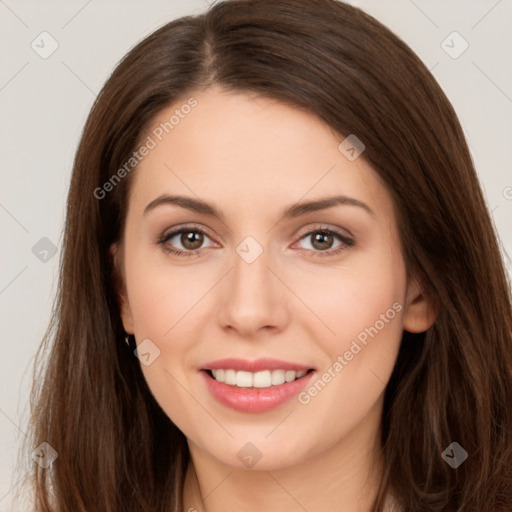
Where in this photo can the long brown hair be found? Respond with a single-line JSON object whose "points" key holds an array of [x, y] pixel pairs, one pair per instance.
{"points": [[117, 450]]}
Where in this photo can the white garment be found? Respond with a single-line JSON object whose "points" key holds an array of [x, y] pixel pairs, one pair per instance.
{"points": [[391, 505]]}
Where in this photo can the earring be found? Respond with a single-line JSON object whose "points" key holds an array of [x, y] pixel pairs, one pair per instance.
{"points": [[127, 339]]}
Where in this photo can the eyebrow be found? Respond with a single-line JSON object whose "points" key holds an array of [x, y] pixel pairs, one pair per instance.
{"points": [[290, 212]]}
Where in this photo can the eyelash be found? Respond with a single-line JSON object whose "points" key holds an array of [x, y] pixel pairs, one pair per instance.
{"points": [[345, 241]]}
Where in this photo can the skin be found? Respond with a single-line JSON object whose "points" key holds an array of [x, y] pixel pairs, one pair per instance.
{"points": [[251, 157]]}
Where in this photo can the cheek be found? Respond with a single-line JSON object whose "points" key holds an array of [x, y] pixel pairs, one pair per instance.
{"points": [[166, 304], [161, 295], [363, 306], [345, 302], [361, 311]]}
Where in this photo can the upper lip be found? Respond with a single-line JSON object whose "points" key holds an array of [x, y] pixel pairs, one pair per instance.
{"points": [[257, 365]]}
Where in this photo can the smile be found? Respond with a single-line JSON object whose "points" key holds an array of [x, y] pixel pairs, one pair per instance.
{"points": [[254, 386], [263, 379]]}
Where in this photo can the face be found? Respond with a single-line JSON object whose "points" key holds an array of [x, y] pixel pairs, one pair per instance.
{"points": [[255, 253]]}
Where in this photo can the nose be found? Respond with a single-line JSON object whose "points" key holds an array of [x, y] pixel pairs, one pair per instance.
{"points": [[252, 299]]}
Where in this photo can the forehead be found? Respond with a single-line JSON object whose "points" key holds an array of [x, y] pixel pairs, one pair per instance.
{"points": [[248, 151]]}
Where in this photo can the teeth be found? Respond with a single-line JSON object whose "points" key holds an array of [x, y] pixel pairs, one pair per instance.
{"points": [[263, 379], [277, 377], [289, 376], [230, 377], [244, 379]]}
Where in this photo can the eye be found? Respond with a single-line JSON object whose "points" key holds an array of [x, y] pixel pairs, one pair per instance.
{"points": [[325, 242], [185, 241], [188, 241]]}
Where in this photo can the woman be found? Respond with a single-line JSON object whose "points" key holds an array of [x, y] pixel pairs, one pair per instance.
{"points": [[279, 275]]}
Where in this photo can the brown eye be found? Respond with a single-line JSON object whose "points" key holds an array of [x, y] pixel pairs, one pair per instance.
{"points": [[322, 240], [185, 241], [325, 242], [192, 240]]}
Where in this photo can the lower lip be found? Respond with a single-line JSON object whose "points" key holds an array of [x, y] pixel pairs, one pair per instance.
{"points": [[255, 399]]}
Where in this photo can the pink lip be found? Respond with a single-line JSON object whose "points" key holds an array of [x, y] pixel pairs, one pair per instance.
{"points": [[254, 400], [253, 366]]}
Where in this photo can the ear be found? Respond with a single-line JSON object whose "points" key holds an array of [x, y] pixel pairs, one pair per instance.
{"points": [[116, 255], [420, 310]]}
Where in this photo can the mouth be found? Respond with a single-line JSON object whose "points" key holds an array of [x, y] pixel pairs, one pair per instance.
{"points": [[255, 386]]}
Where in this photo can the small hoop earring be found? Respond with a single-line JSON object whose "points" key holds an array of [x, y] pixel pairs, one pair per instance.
{"points": [[127, 339]]}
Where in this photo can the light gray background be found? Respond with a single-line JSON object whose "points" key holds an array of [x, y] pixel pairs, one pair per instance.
{"points": [[45, 102]]}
